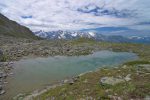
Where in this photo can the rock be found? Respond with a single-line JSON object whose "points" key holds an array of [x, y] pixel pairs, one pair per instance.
{"points": [[108, 90], [65, 81], [5, 82], [110, 80], [127, 78], [147, 98], [71, 82], [75, 79], [1, 54], [71, 93], [145, 66], [124, 66], [2, 92], [85, 81], [10, 74], [1, 74], [19, 96], [4, 75], [1, 87]]}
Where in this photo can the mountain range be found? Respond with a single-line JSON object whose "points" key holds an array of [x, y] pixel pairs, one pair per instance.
{"points": [[67, 35]]}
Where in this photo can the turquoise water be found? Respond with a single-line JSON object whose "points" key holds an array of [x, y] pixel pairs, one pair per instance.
{"points": [[31, 74]]}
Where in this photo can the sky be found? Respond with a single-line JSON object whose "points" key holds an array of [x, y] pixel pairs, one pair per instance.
{"points": [[91, 15]]}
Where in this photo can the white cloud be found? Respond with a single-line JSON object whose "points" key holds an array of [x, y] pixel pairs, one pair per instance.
{"points": [[64, 15]]}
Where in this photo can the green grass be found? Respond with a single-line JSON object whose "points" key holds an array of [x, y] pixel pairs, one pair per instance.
{"points": [[137, 62], [4, 58]]}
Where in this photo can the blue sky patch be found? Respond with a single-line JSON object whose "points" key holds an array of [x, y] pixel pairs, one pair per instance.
{"points": [[25, 17]]}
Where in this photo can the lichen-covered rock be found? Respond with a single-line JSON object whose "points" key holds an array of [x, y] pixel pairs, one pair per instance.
{"points": [[127, 78], [111, 80]]}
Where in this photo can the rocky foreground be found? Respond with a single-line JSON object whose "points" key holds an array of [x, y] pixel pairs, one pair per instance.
{"points": [[128, 81]]}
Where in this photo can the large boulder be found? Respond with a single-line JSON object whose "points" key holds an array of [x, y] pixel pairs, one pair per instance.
{"points": [[1, 90], [114, 80], [110, 80]]}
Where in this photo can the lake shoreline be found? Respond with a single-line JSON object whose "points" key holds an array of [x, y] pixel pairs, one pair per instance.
{"points": [[67, 80], [59, 83]]}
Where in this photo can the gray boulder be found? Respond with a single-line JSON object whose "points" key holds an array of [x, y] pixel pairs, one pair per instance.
{"points": [[2, 92], [1, 74], [110, 80], [115, 80]]}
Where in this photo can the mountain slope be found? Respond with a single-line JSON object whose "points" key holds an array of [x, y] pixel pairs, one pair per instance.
{"points": [[12, 28]]}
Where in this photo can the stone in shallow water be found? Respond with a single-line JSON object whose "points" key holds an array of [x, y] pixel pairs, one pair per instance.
{"points": [[111, 80]]}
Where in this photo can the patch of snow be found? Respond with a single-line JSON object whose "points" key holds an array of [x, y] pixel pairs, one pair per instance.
{"points": [[74, 34], [59, 37], [92, 34]]}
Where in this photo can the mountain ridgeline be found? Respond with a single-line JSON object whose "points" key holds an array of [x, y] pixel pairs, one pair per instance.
{"points": [[69, 35], [12, 28]]}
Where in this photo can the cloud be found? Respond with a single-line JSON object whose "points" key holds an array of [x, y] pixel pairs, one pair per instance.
{"points": [[101, 11], [78, 14]]}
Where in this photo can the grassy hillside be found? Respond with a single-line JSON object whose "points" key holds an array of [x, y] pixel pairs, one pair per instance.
{"points": [[11, 28]]}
